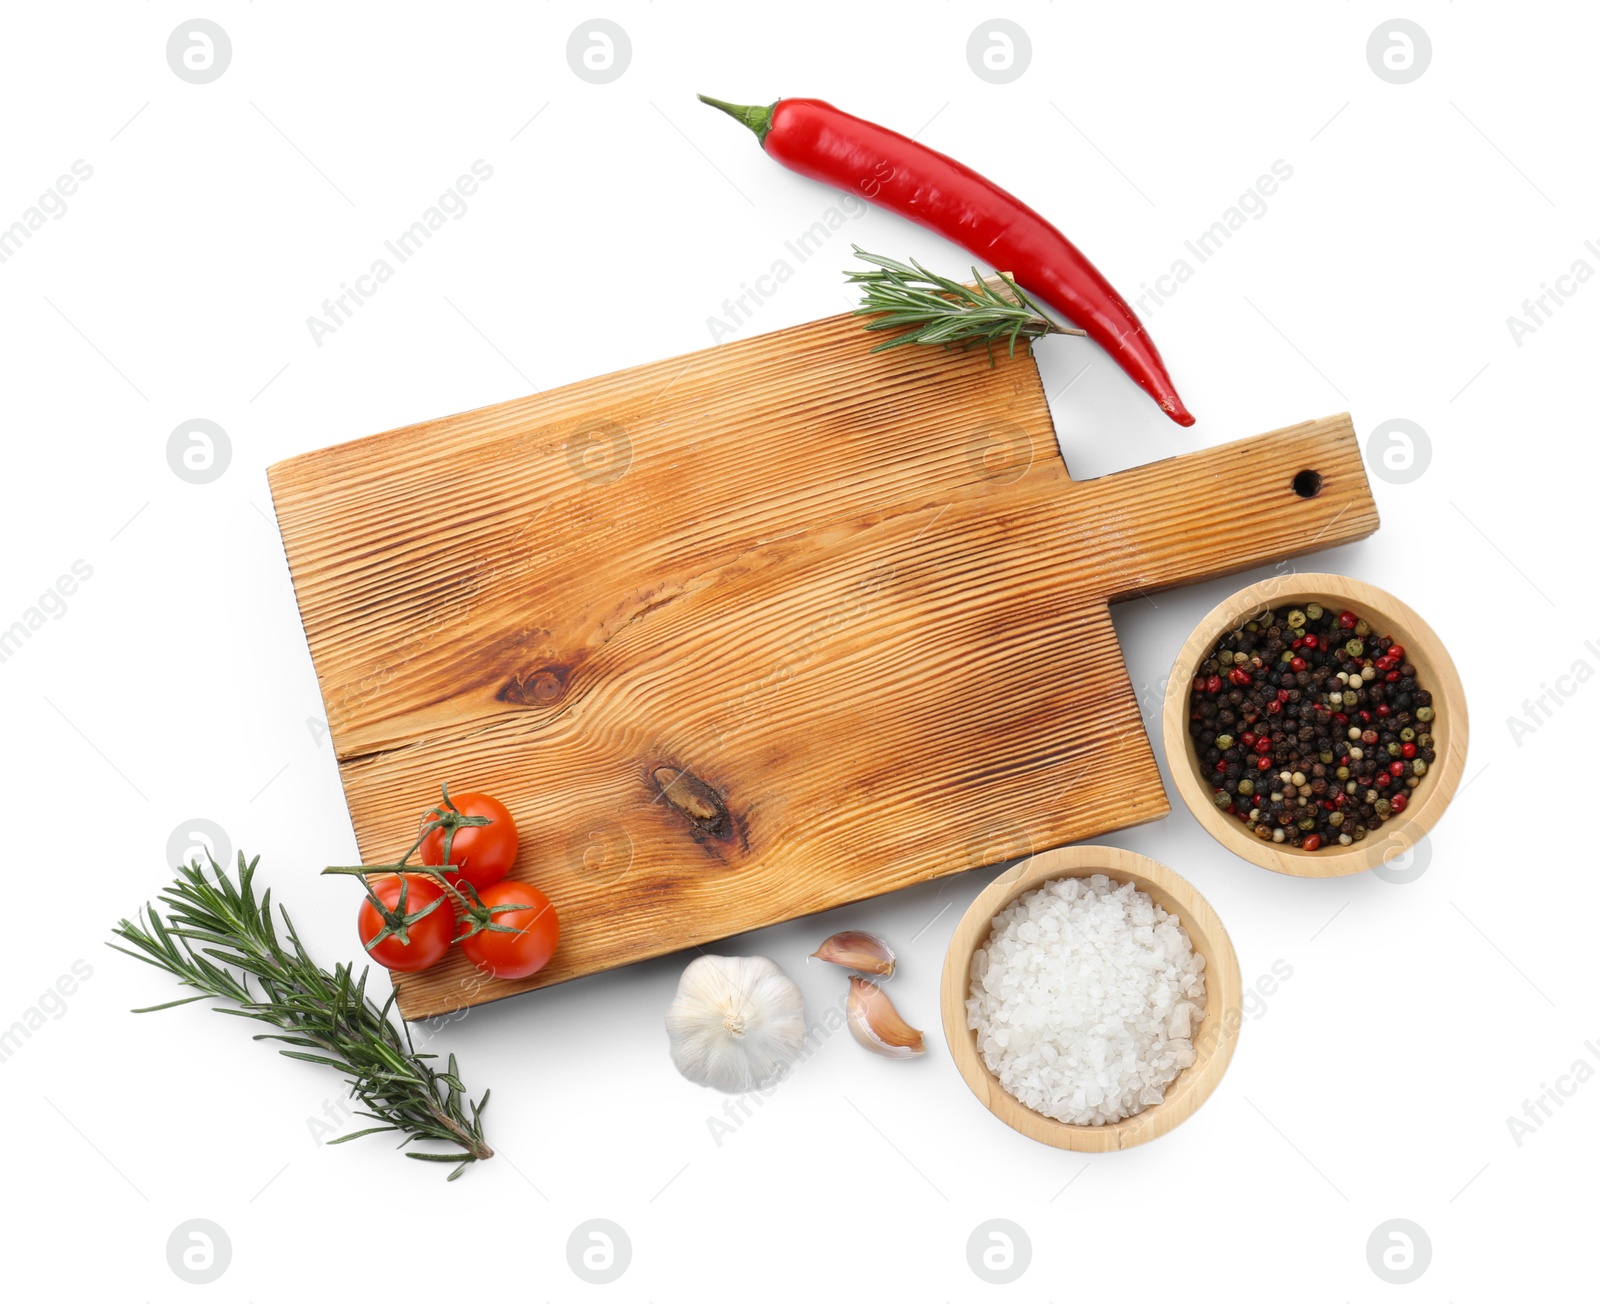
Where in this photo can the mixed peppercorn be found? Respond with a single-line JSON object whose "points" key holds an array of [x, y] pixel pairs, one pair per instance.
{"points": [[1310, 728]]}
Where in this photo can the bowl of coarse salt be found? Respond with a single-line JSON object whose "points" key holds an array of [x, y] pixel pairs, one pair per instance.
{"points": [[1091, 998]]}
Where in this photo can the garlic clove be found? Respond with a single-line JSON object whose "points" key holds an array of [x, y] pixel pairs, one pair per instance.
{"points": [[863, 952], [738, 1023], [877, 1025]]}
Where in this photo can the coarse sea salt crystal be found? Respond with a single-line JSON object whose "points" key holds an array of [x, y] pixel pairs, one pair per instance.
{"points": [[1085, 998]]}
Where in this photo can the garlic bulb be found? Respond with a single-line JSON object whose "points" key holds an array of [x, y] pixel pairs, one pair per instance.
{"points": [[737, 1022]]}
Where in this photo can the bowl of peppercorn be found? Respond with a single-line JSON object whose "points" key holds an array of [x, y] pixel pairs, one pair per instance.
{"points": [[1315, 725]]}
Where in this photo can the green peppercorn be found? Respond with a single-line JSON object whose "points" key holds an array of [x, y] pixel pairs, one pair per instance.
{"points": [[1419, 767], [1342, 773], [1393, 748], [1336, 819], [1296, 618], [1424, 715], [1314, 611], [1362, 629], [1221, 800], [1360, 832], [1225, 741], [1355, 647], [1247, 788], [1408, 735]]}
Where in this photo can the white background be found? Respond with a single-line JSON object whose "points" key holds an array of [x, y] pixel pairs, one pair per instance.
{"points": [[1378, 1080]]}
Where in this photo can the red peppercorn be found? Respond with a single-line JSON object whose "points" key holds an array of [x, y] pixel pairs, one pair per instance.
{"points": [[1347, 620], [1213, 683], [1383, 780], [1283, 694], [1311, 843], [1397, 768], [1297, 664], [1408, 750], [1221, 766], [1249, 739], [1392, 677], [1398, 802], [1365, 716], [1397, 654], [1262, 745], [1273, 707], [1383, 665], [1339, 717], [1369, 736], [1239, 675], [1298, 644], [1310, 640], [1383, 708], [1263, 762]]}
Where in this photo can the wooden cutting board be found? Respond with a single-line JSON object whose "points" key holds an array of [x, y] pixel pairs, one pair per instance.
{"points": [[754, 632]]}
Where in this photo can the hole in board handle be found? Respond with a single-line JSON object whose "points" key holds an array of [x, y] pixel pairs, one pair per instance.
{"points": [[1308, 484]]}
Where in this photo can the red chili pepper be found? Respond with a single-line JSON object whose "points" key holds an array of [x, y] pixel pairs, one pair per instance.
{"points": [[821, 142]]}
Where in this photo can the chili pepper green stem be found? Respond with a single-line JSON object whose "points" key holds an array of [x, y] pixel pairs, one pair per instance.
{"points": [[754, 116]]}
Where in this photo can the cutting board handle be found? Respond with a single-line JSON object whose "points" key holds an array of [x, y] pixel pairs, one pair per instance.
{"points": [[1247, 503]]}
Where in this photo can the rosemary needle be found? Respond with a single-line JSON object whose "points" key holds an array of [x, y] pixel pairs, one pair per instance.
{"points": [[927, 308], [214, 927]]}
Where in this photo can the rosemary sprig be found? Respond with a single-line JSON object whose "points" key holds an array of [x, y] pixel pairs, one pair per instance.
{"points": [[933, 309], [215, 927]]}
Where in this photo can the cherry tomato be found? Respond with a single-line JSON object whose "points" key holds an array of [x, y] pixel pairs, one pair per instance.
{"points": [[518, 954], [484, 853], [427, 939]]}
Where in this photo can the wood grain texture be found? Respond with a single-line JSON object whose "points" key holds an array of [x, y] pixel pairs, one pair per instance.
{"points": [[1215, 1036], [1436, 672], [855, 597]]}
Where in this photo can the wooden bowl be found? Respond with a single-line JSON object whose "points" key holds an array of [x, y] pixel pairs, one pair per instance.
{"points": [[1214, 1037], [1389, 617]]}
